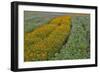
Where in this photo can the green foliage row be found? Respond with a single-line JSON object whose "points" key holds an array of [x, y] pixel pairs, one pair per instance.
{"points": [[78, 44]]}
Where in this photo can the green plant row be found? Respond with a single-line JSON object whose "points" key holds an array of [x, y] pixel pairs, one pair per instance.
{"points": [[78, 43]]}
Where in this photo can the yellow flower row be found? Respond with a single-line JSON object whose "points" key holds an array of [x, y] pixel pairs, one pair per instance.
{"points": [[50, 38]]}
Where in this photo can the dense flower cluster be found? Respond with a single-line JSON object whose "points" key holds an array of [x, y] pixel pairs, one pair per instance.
{"points": [[45, 41]]}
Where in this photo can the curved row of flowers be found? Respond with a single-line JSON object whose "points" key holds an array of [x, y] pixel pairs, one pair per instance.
{"points": [[45, 41]]}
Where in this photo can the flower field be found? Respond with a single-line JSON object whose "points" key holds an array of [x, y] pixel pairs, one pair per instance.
{"points": [[57, 37]]}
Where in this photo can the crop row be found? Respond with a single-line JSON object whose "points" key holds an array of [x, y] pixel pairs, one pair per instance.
{"points": [[78, 44], [48, 39]]}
